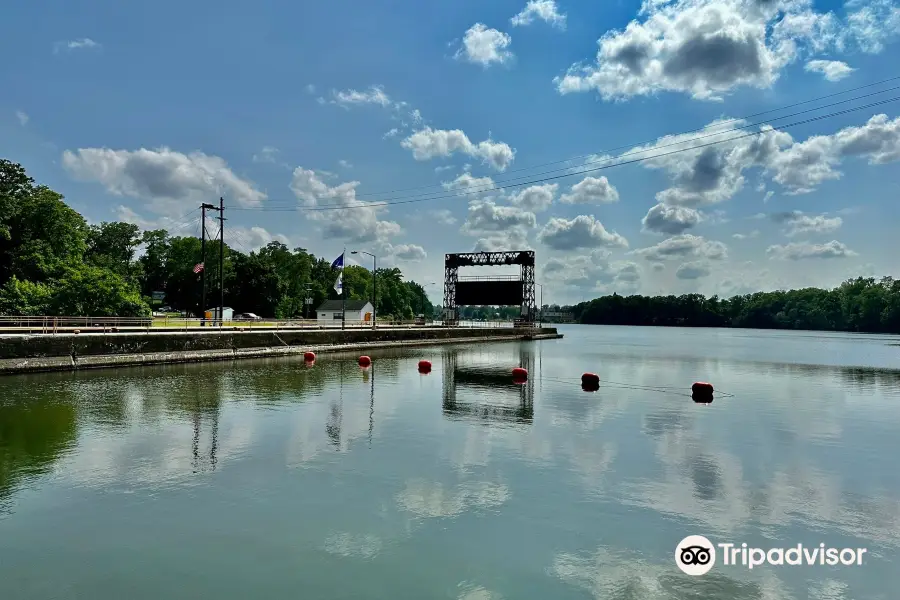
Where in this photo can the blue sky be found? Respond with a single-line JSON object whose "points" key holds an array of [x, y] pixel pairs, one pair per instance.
{"points": [[141, 112]]}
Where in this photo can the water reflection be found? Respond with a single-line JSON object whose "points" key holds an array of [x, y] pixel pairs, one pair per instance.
{"points": [[493, 396], [34, 434]]}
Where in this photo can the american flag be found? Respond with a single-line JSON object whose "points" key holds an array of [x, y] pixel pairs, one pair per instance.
{"points": [[198, 267]]}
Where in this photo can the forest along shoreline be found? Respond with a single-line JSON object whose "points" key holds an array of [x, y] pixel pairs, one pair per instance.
{"points": [[68, 352]]}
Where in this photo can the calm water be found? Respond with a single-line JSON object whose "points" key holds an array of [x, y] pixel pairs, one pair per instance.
{"points": [[269, 479]]}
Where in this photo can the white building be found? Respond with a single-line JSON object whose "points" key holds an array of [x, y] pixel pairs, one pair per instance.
{"points": [[218, 313], [357, 310]]}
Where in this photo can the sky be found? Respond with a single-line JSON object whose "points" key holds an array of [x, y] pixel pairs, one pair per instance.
{"points": [[654, 147]]}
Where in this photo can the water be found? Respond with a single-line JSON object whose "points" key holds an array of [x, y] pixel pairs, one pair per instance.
{"points": [[273, 480]]}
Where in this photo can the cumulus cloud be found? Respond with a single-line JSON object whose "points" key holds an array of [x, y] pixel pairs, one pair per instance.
{"points": [[593, 271], [584, 231], [22, 117], [707, 167], [358, 220], [535, 198], [374, 95], [513, 239], [442, 217], [693, 270], [832, 70], [487, 216], [683, 247], [796, 222], [466, 183], [745, 236], [670, 220], [253, 238], [429, 143], [402, 252], [268, 154], [591, 190], [706, 48], [165, 178], [484, 46], [545, 10], [804, 250]]}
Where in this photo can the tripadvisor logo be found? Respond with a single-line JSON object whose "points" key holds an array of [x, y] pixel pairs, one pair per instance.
{"points": [[696, 555]]}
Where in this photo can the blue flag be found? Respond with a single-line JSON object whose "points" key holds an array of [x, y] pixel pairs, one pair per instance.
{"points": [[338, 262]]}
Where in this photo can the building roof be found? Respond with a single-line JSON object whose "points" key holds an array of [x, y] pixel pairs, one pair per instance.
{"points": [[336, 305]]}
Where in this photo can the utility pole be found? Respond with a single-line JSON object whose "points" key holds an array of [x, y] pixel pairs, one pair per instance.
{"points": [[203, 208], [203, 264], [221, 261]]}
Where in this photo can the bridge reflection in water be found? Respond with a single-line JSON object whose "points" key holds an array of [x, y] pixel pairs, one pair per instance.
{"points": [[487, 393]]}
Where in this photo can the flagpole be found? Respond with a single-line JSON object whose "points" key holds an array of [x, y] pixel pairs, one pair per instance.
{"points": [[343, 291]]}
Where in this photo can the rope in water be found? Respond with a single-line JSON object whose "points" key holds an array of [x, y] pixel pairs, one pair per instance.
{"points": [[678, 391]]}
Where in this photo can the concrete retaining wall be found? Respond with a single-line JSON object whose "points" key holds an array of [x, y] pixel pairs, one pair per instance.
{"points": [[34, 353]]}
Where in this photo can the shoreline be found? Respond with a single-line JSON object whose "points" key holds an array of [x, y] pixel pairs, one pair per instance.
{"points": [[87, 353]]}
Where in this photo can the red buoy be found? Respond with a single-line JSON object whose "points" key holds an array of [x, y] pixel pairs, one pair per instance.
{"points": [[519, 374], [309, 356], [365, 361], [590, 382], [701, 387], [424, 366]]}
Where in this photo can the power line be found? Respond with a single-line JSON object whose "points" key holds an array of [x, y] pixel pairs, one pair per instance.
{"points": [[571, 173], [734, 120]]}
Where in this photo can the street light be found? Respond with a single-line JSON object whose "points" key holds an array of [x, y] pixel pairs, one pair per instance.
{"points": [[374, 289], [541, 313], [422, 299]]}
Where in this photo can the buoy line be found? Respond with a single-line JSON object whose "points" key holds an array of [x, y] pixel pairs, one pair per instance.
{"points": [[633, 386]]}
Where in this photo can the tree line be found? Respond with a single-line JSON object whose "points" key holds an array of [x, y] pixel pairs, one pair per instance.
{"points": [[864, 304], [52, 262]]}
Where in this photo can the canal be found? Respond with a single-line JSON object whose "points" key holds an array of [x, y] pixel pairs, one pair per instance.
{"points": [[274, 479]]}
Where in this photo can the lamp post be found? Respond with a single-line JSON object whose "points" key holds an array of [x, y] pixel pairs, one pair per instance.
{"points": [[374, 289], [541, 308], [422, 299]]}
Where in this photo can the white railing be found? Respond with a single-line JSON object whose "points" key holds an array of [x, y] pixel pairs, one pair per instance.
{"points": [[54, 324]]}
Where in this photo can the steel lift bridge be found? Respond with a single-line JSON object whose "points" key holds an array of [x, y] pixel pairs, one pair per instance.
{"points": [[490, 290]]}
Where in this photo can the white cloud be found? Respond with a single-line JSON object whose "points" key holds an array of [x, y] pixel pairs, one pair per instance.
{"points": [[535, 198], [591, 190], [391, 133], [443, 217], [584, 231], [374, 95], [165, 178], [429, 143], [403, 252], [252, 238], [486, 216], [670, 219], [833, 70], [745, 236], [79, 44], [22, 117], [466, 183], [693, 270], [484, 46], [346, 164], [357, 221], [512, 239], [797, 223], [684, 246], [593, 272], [706, 48], [545, 10], [803, 250], [266, 155]]}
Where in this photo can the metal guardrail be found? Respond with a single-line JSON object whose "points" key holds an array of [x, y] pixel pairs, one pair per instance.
{"points": [[55, 325]]}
